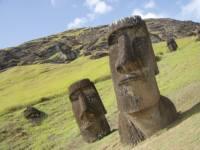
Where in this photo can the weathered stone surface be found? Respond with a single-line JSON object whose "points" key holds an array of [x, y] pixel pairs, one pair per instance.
{"points": [[88, 110], [171, 44], [34, 115], [133, 67]]}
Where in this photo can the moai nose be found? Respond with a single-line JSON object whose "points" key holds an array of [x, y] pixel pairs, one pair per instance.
{"points": [[83, 104], [126, 59]]}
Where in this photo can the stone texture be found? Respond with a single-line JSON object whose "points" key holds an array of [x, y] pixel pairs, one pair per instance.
{"points": [[133, 67], [88, 110]]}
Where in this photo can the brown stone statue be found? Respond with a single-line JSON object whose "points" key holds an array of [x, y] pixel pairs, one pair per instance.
{"points": [[198, 34], [88, 110], [133, 67], [171, 44]]}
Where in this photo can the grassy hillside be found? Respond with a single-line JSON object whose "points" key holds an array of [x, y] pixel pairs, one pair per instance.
{"points": [[45, 87]]}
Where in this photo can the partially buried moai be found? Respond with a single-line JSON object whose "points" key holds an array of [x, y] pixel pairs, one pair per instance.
{"points": [[88, 110], [171, 44], [133, 67], [198, 34]]}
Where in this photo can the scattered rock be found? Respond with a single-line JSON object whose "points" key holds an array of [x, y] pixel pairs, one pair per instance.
{"points": [[34, 115]]}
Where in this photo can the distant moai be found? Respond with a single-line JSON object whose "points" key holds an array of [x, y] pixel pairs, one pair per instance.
{"points": [[133, 67], [171, 44], [198, 34], [88, 110]]}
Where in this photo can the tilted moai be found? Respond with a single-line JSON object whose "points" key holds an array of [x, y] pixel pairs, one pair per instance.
{"points": [[198, 34], [133, 67], [171, 44], [88, 110]]}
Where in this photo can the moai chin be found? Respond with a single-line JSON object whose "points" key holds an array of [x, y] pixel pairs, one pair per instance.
{"points": [[88, 110], [171, 44], [133, 67]]}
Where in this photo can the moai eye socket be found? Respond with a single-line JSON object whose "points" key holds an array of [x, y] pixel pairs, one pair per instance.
{"points": [[75, 96], [138, 45], [91, 98]]}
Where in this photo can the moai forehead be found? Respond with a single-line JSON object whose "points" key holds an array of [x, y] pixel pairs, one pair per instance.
{"points": [[83, 94], [134, 31]]}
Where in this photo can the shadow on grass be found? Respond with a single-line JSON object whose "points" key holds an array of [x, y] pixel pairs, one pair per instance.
{"points": [[103, 78], [182, 116]]}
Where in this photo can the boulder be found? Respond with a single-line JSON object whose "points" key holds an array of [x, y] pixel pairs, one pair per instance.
{"points": [[34, 115]]}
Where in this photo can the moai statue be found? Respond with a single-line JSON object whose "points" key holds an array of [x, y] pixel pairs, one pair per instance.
{"points": [[171, 44], [198, 34], [133, 67], [88, 110]]}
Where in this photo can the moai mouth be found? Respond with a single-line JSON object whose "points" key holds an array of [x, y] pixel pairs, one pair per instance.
{"points": [[88, 110]]}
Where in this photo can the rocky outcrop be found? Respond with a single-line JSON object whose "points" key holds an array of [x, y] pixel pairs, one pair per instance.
{"points": [[67, 46]]}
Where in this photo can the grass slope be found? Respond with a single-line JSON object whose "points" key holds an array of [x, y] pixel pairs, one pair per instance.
{"points": [[45, 86]]}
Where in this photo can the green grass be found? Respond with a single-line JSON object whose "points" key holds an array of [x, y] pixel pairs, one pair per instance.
{"points": [[28, 84], [179, 79]]}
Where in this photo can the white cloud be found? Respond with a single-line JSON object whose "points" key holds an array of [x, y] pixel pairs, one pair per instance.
{"points": [[145, 15], [98, 6], [150, 4], [192, 9], [53, 2], [102, 8], [76, 23], [91, 3]]}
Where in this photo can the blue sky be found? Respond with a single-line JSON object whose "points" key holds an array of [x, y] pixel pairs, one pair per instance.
{"points": [[23, 20]]}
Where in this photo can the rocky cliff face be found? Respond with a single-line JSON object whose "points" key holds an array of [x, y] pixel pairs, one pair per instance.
{"points": [[67, 46]]}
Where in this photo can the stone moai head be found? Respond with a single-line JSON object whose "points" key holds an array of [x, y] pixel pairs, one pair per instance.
{"points": [[88, 110], [133, 65], [171, 44], [198, 34]]}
